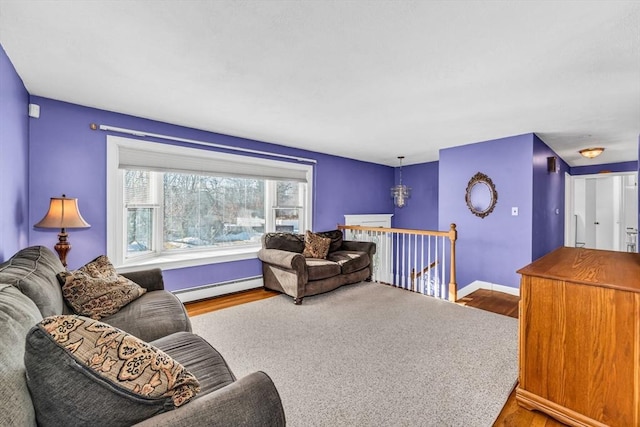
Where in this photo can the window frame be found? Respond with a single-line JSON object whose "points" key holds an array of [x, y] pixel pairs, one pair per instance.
{"points": [[116, 211]]}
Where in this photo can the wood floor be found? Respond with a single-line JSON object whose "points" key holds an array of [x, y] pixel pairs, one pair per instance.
{"points": [[512, 415]]}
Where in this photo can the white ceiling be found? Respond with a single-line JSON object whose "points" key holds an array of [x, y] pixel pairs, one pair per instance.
{"points": [[363, 79]]}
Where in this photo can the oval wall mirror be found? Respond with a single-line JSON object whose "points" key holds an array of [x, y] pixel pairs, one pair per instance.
{"points": [[481, 196]]}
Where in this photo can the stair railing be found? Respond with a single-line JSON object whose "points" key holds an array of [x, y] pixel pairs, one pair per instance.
{"points": [[416, 260]]}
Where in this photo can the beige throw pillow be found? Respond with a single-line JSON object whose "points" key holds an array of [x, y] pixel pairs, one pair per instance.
{"points": [[109, 375]]}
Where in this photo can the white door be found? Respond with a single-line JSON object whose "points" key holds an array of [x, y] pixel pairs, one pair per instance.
{"points": [[603, 209], [590, 201], [604, 225]]}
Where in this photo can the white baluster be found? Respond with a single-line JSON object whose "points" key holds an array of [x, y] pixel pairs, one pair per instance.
{"points": [[422, 264], [396, 280], [443, 282], [429, 272]]}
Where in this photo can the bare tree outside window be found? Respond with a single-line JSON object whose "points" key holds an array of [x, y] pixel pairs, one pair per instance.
{"points": [[211, 211], [204, 211]]}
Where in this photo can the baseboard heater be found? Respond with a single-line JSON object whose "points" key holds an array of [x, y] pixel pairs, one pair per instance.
{"points": [[217, 289]]}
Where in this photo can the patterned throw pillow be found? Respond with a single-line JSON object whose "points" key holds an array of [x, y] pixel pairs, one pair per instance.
{"points": [[315, 246], [96, 290], [79, 367], [336, 239]]}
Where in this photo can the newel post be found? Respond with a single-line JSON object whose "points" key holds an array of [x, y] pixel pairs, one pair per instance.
{"points": [[453, 286]]}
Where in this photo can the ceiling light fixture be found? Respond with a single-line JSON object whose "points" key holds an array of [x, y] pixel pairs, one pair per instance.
{"points": [[399, 192], [591, 153]]}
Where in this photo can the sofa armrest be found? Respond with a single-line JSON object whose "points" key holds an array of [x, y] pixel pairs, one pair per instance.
{"points": [[150, 279], [368, 247], [353, 245], [283, 259], [253, 400]]}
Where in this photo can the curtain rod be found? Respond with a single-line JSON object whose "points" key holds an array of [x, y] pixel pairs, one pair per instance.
{"points": [[144, 134]]}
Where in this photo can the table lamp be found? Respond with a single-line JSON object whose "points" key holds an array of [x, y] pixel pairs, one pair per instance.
{"points": [[63, 213]]}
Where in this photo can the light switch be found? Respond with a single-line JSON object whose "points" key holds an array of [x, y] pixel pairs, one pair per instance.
{"points": [[514, 211]]}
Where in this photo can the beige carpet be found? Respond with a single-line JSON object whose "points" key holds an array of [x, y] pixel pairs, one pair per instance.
{"points": [[372, 355]]}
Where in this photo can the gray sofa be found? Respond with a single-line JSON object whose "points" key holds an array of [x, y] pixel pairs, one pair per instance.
{"points": [[29, 291], [285, 269]]}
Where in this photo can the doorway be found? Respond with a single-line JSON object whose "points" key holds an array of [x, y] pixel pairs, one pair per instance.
{"points": [[603, 211]]}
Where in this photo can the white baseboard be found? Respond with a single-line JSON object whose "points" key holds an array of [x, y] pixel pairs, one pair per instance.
{"points": [[217, 289], [479, 284]]}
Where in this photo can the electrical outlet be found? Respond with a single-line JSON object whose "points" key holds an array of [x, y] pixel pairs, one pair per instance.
{"points": [[514, 211]]}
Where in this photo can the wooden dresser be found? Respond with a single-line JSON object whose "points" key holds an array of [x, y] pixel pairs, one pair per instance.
{"points": [[580, 337]]}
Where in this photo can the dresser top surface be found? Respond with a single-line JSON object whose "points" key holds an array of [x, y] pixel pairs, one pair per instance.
{"points": [[618, 270]]}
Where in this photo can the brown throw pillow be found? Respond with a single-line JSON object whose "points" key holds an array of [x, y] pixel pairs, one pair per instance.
{"points": [[114, 377], [96, 290], [336, 239], [315, 246]]}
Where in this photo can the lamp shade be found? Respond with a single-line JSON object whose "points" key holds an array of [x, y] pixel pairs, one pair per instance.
{"points": [[63, 213]]}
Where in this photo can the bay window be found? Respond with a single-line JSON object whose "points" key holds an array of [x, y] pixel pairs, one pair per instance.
{"points": [[174, 206]]}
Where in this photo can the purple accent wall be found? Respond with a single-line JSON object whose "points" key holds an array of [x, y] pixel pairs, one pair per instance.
{"points": [[493, 248], [14, 166], [631, 166], [548, 201], [345, 186], [66, 156], [421, 210]]}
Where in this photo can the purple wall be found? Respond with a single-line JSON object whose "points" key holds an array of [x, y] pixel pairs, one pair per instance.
{"points": [[421, 210], [631, 166], [548, 201], [67, 157], [489, 249], [14, 167], [345, 186]]}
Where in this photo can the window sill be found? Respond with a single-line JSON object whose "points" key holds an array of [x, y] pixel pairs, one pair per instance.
{"points": [[189, 259]]}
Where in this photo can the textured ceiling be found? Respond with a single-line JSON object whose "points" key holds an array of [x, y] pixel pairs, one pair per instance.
{"points": [[362, 79]]}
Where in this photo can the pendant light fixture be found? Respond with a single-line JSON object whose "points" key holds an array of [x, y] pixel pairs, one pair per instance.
{"points": [[400, 192]]}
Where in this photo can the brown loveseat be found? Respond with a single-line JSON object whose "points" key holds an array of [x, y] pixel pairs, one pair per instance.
{"points": [[286, 270]]}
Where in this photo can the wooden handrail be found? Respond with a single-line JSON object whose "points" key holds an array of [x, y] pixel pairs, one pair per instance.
{"points": [[452, 234]]}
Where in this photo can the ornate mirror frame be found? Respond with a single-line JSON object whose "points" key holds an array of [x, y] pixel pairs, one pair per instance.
{"points": [[482, 180]]}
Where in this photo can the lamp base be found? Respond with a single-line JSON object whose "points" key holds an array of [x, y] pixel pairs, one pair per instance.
{"points": [[62, 247]]}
